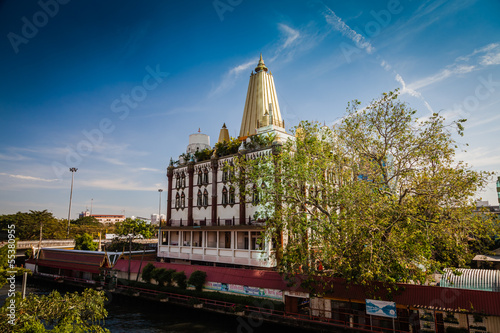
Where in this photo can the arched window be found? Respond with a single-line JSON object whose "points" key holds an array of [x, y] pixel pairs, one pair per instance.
{"points": [[177, 200], [199, 201], [205, 176], [205, 198], [177, 181], [183, 200], [231, 195], [199, 177], [183, 180], [224, 195], [255, 195]]}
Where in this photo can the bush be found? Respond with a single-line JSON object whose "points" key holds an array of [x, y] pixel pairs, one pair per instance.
{"points": [[180, 279], [147, 272], [197, 279], [163, 276]]}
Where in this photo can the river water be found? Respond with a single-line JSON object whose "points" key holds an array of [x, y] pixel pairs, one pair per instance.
{"points": [[126, 314]]}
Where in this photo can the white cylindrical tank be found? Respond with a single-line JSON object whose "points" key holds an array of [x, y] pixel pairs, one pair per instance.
{"points": [[198, 141]]}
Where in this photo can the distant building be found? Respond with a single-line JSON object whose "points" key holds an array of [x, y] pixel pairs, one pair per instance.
{"points": [[155, 220], [103, 218]]}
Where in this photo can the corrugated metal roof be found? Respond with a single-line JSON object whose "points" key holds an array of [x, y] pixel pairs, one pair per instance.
{"points": [[85, 261], [476, 279]]}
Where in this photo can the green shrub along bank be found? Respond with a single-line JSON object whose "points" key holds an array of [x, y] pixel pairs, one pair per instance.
{"points": [[214, 295]]}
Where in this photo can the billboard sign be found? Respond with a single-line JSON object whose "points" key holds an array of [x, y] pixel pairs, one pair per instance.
{"points": [[381, 308]]}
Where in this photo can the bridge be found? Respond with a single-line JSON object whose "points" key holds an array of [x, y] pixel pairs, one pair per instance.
{"points": [[22, 246]]}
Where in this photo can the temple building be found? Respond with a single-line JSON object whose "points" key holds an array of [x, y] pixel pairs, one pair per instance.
{"points": [[208, 221]]}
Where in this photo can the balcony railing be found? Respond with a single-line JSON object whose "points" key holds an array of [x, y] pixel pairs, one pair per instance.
{"points": [[232, 221]]}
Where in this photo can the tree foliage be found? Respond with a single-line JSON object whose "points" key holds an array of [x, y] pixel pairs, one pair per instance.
{"points": [[85, 242], [227, 148], [197, 279], [133, 228], [72, 312], [147, 272], [180, 279], [28, 225], [7, 263], [379, 197]]}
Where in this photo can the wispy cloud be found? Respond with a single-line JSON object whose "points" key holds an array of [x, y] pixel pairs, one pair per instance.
{"points": [[338, 24], [13, 157], [30, 178], [230, 77], [480, 58], [118, 184], [290, 42]]}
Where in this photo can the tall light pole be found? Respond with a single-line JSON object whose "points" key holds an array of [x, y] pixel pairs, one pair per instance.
{"points": [[73, 170], [159, 207]]}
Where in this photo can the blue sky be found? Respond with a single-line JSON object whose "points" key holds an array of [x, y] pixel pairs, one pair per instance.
{"points": [[115, 88]]}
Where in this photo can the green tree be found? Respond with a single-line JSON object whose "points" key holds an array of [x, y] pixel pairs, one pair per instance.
{"points": [[379, 197], [86, 220], [180, 279], [85, 242], [7, 263], [72, 312], [147, 272], [197, 279], [28, 225], [134, 228], [227, 148], [163, 276]]}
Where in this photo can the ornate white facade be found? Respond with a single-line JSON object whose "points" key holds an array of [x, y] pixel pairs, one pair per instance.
{"points": [[208, 221]]}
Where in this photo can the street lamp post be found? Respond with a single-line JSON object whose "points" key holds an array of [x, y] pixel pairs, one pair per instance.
{"points": [[159, 207], [73, 170]]}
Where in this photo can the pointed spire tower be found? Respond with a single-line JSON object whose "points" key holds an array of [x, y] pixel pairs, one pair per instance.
{"points": [[261, 107]]}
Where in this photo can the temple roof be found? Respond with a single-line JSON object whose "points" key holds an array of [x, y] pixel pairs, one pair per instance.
{"points": [[261, 106]]}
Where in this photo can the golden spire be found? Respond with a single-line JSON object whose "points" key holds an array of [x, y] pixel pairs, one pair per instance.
{"points": [[260, 65], [224, 134], [261, 103]]}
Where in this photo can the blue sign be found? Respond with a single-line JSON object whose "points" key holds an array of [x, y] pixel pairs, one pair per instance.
{"points": [[381, 308]]}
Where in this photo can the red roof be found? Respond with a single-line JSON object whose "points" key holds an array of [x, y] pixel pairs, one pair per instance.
{"points": [[85, 261], [431, 297], [244, 277]]}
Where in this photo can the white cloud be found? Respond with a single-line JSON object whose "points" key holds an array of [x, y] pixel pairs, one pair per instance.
{"points": [[338, 24], [230, 77], [117, 184], [486, 56], [291, 34], [31, 178]]}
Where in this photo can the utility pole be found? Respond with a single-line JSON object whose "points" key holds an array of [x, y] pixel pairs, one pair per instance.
{"points": [[159, 207], [73, 170]]}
